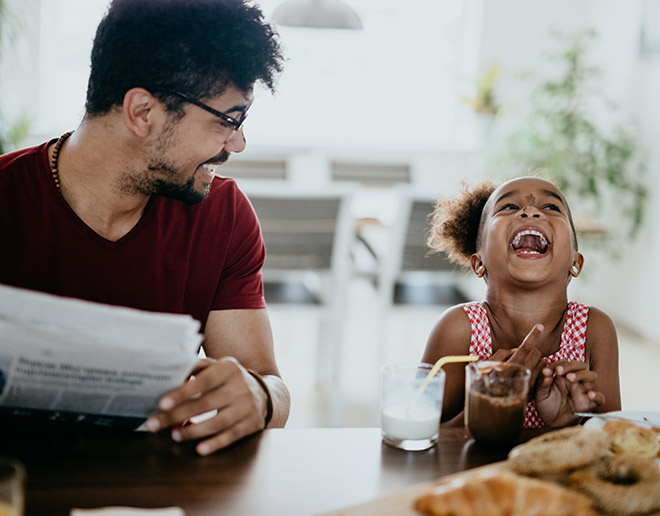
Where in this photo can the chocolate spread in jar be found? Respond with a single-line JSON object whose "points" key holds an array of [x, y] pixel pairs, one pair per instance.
{"points": [[492, 420], [496, 399]]}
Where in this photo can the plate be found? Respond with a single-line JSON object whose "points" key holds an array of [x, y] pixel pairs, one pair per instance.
{"points": [[640, 417]]}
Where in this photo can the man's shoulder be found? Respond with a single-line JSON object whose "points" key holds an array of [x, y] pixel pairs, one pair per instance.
{"points": [[21, 155], [223, 186], [226, 193], [23, 169]]}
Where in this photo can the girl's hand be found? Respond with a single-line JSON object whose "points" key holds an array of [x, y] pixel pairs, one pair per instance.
{"points": [[565, 388], [526, 355]]}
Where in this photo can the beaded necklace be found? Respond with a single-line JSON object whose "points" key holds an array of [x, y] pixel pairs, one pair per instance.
{"points": [[54, 165]]}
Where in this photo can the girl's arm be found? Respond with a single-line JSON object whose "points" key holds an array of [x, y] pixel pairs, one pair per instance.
{"points": [[451, 336], [602, 355]]}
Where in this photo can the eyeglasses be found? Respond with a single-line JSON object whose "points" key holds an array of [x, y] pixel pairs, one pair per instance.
{"points": [[235, 124]]}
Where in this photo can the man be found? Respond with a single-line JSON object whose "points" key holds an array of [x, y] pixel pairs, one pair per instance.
{"points": [[127, 210]]}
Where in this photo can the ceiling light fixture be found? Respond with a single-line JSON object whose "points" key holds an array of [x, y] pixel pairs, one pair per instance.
{"points": [[318, 14]]}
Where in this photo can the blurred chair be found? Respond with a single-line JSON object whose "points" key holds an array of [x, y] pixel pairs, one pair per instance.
{"points": [[371, 174], [265, 167], [409, 273], [308, 238], [412, 274]]}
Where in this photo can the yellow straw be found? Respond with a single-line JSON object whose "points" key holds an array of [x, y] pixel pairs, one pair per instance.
{"points": [[436, 367], [448, 360]]}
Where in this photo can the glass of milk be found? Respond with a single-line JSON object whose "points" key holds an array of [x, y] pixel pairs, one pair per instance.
{"points": [[411, 405], [12, 487]]}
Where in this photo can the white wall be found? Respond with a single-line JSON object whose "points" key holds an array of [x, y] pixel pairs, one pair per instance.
{"points": [[631, 287], [19, 89], [391, 86], [43, 71]]}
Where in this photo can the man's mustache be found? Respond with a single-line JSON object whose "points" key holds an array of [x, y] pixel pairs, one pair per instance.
{"points": [[219, 159]]}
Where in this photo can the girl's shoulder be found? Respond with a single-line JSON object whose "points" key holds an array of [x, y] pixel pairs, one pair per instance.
{"points": [[456, 316], [601, 339], [599, 323]]}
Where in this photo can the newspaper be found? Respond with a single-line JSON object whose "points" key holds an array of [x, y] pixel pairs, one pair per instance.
{"points": [[79, 361]]}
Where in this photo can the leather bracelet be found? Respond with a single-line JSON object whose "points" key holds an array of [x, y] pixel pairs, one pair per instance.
{"points": [[269, 399]]}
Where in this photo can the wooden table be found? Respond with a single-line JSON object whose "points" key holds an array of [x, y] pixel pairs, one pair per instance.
{"points": [[279, 472]]}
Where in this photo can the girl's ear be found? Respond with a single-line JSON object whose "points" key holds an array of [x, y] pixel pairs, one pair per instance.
{"points": [[578, 263], [477, 265]]}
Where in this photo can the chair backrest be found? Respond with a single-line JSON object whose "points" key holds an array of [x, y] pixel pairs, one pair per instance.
{"points": [[375, 174], [416, 255], [304, 230], [269, 168], [408, 250]]}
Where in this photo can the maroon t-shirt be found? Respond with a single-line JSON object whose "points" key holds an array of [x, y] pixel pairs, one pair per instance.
{"points": [[178, 258]]}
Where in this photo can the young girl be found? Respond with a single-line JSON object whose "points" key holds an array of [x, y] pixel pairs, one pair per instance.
{"points": [[519, 237]]}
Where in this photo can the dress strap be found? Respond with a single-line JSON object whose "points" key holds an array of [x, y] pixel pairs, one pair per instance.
{"points": [[481, 343], [574, 334]]}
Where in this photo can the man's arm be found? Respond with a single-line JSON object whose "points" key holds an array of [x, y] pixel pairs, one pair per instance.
{"points": [[246, 335], [236, 342]]}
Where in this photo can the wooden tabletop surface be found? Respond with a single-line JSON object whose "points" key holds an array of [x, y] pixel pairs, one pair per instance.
{"points": [[285, 472]]}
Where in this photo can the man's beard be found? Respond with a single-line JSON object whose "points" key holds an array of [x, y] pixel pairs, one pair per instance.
{"points": [[160, 179], [186, 192]]}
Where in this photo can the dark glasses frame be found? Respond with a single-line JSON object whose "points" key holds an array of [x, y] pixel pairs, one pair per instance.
{"points": [[236, 124]]}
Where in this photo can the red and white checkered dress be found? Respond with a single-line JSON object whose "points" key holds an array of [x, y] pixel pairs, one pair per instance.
{"points": [[571, 347]]}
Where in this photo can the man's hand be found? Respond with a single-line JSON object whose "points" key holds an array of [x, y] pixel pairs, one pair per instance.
{"points": [[566, 387], [223, 385]]}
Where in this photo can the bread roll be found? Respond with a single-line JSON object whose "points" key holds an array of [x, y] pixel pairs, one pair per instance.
{"points": [[503, 493], [631, 439]]}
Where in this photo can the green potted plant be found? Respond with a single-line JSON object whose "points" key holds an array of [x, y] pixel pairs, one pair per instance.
{"points": [[561, 137], [483, 101]]}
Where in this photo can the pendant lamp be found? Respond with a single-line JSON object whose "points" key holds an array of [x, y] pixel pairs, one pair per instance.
{"points": [[319, 14]]}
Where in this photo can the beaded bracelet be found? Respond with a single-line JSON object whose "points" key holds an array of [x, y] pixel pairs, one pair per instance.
{"points": [[269, 399]]}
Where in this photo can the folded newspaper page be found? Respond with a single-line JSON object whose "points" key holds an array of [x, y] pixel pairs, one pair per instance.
{"points": [[77, 360]]}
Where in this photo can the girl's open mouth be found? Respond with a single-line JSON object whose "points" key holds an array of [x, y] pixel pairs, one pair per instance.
{"points": [[530, 241]]}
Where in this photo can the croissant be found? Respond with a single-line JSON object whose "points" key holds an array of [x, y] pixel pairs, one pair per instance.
{"points": [[503, 493]]}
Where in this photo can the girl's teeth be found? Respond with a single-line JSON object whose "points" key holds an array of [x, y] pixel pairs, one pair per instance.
{"points": [[517, 238]]}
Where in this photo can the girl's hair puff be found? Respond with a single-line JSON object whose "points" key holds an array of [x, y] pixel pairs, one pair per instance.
{"points": [[455, 222]]}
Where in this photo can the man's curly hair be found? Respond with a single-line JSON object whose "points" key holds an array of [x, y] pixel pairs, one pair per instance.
{"points": [[195, 46], [455, 222]]}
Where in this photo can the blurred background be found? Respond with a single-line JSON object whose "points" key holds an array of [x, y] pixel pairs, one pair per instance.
{"points": [[383, 107]]}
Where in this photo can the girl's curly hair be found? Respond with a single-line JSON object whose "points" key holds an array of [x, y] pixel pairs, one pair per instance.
{"points": [[455, 222]]}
